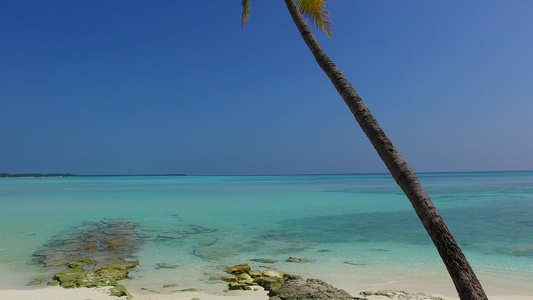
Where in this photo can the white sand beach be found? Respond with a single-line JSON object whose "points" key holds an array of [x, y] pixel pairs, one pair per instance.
{"points": [[495, 290], [57, 293]]}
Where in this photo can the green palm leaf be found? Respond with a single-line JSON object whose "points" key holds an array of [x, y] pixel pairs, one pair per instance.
{"points": [[245, 11], [314, 10]]}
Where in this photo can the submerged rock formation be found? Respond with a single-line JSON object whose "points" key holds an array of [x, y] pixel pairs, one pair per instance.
{"points": [[104, 243], [166, 266], [299, 260], [265, 260], [96, 254], [36, 281]]}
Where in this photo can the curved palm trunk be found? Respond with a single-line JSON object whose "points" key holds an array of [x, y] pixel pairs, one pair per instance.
{"points": [[466, 282]]}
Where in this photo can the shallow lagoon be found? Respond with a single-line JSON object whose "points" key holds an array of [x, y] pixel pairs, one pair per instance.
{"points": [[359, 228]]}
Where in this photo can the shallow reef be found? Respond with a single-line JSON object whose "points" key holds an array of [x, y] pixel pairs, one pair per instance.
{"points": [[95, 254]]}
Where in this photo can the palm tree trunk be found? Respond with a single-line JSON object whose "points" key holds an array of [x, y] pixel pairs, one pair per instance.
{"points": [[466, 282]]}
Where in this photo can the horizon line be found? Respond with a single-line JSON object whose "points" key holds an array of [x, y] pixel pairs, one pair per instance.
{"points": [[198, 175]]}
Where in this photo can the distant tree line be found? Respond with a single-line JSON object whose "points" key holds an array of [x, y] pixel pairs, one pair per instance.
{"points": [[7, 175]]}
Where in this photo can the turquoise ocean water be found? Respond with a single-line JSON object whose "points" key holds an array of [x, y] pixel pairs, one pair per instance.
{"points": [[349, 224]]}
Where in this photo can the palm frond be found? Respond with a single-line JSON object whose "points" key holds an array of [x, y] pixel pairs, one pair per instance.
{"points": [[316, 12], [245, 10]]}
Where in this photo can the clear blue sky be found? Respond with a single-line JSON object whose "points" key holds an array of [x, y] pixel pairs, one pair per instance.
{"points": [[142, 87]]}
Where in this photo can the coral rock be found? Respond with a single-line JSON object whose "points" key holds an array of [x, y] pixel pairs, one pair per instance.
{"points": [[238, 269]]}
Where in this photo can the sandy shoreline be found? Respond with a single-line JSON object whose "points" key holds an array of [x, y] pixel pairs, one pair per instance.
{"points": [[57, 293], [146, 285], [142, 286], [495, 288]]}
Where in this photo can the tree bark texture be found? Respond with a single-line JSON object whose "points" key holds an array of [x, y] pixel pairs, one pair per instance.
{"points": [[467, 285]]}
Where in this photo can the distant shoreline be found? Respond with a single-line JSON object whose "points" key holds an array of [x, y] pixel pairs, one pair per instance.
{"points": [[36, 175], [421, 174]]}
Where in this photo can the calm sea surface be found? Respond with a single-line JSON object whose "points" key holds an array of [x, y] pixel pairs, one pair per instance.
{"points": [[346, 222]]}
